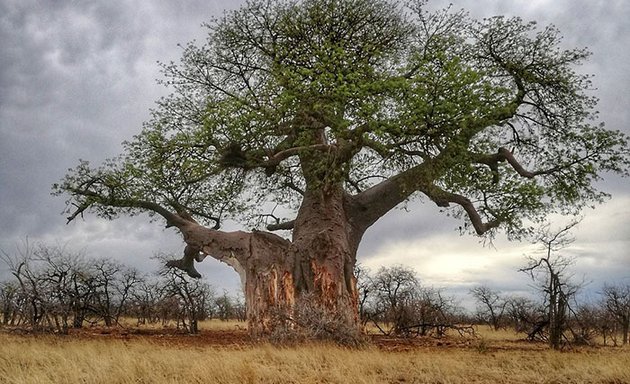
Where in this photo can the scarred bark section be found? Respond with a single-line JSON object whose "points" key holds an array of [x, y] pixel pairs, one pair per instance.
{"points": [[262, 260], [325, 253], [269, 286]]}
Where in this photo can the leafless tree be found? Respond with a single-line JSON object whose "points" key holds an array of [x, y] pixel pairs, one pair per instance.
{"points": [[607, 325], [617, 303], [31, 292], [115, 282], [144, 301], [56, 289], [395, 288], [587, 323], [433, 313], [364, 290], [193, 295], [45, 276], [396, 303], [105, 272], [127, 281], [527, 316], [58, 266], [228, 307], [551, 272], [491, 306], [9, 292], [85, 289]]}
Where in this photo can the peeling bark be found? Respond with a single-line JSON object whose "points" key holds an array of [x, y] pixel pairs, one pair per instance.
{"points": [[275, 272], [324, 248]]}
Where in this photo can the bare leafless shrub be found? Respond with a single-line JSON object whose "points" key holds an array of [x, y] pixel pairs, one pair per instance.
{"points": [[395, 302], [585, 324]]}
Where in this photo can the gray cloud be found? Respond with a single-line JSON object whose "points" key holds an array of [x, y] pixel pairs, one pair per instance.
{"points": [[603, 241], [77, 78]]}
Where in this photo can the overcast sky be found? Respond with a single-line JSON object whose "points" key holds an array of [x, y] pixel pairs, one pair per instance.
{"points": [[78, 77]]}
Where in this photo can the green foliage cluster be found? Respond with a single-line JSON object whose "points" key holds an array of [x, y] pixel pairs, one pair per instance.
{"points": [[290, 96]]}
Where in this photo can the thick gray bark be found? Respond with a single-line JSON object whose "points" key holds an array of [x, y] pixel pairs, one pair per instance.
{"points": [[276, 272]]}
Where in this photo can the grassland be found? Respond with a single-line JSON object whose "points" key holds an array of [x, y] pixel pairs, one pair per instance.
{"points": [[155, 358]]}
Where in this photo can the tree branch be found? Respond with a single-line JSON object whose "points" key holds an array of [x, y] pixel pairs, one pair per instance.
{"points": [[286, 225], [368, 206], [171, 218], [285, 154], [505, 154], [443, 199]]}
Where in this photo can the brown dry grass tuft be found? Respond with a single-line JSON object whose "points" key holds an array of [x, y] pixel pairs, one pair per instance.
{"points": [[180, 359]]}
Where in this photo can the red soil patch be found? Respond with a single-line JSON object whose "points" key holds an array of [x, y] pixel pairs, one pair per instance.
{"points": [[238, 338]]}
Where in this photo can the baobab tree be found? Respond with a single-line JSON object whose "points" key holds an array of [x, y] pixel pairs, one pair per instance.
{"points": [[317, 117]]}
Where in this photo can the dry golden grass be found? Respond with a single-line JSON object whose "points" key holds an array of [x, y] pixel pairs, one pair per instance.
{"points": [[106, 359], [215, 324]]}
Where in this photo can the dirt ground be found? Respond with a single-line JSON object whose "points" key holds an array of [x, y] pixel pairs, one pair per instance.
{"points": [[238, 338]]}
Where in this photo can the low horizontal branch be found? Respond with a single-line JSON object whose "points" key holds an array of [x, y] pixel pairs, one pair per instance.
{"points": [[287, 225]]}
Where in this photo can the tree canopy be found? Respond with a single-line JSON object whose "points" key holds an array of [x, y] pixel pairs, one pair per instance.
{"points": [[386, 102]]}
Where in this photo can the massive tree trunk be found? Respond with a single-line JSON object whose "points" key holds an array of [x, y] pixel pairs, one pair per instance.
{"points": [[324, 250], [279, 276]]}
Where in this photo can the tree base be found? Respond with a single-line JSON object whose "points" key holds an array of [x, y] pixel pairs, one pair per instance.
{"points": [[308, 320]]}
